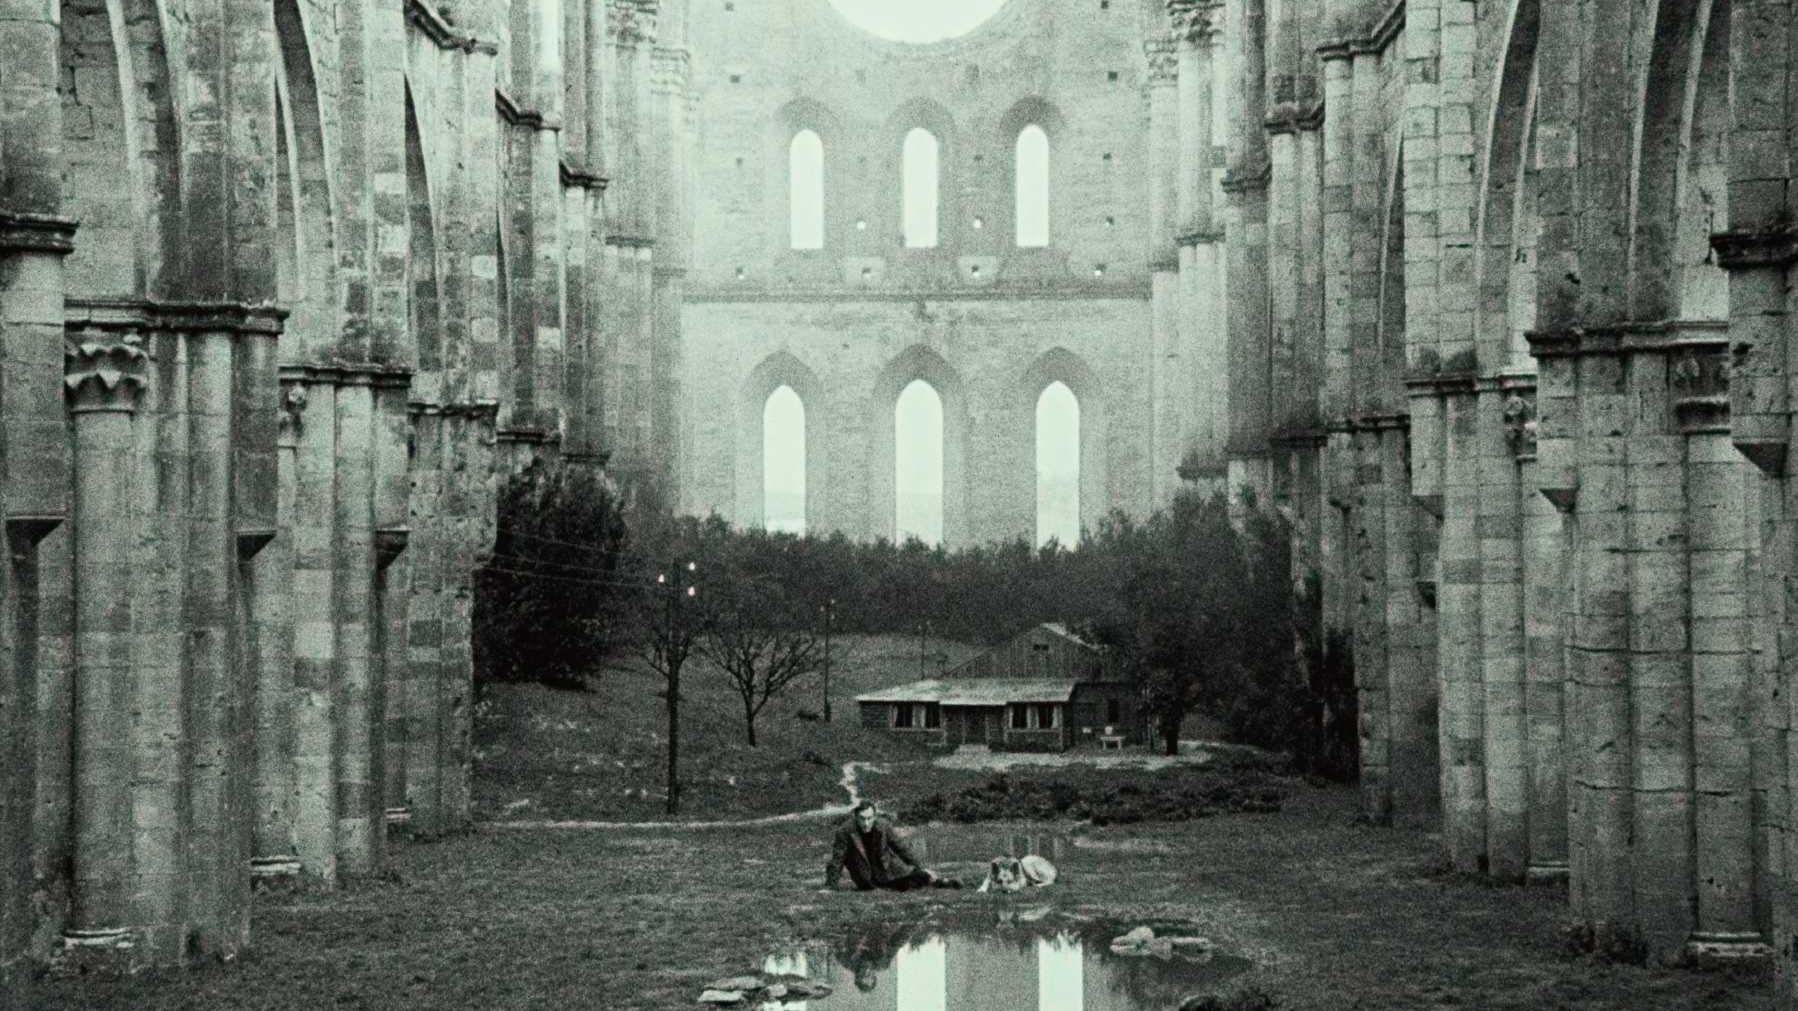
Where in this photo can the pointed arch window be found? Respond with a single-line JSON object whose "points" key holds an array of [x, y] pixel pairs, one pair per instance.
{"points": [[783, 462], [1057, 466], [1031, 179], [918, 463], [920, 189], [805, 190]]}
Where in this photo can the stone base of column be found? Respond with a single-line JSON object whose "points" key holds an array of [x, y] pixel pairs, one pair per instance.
{"points": [[1727, 949], [278, 873], [103, 950], [1546, 874]]}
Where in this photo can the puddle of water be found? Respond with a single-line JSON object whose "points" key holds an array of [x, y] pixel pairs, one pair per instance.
{"points": [[1050, 964]]}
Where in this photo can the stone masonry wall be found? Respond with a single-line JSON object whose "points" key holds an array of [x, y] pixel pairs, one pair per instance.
{"points": [[277, 311], [1101, 307]]}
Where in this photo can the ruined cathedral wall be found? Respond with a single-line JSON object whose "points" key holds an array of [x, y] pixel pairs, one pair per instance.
{"points": [[302, 268], [849, 360], [1544, 504], [763, 72]]}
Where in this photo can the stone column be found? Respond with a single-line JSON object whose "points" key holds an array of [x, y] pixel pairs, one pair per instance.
{"points": [[358, 805], [275, 853], [1719, 484], [315, 634], [36, 474], [104, 382], [1544, 596]]}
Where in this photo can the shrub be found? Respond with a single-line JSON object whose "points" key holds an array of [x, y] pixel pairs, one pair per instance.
{"points": [[546, 599]]}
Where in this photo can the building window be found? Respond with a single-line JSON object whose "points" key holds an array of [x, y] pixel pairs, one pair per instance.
{"points": [[1045, 716], [1020, 717], [1057, 466], [920, 189], [805, 190], [1114, 712], [933, 716], [902, 716], [783, 462], [1032, 184], [918, 464]]}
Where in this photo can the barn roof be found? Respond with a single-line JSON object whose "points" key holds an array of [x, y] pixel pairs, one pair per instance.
{"points": [[976, 691]]}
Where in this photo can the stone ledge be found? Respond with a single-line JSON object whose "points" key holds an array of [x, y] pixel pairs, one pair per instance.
{"points": [[376, 374], [1375, 42], [477, 409], [996, 292], [1662, 336], [1746, 249], [437, 28], [518, 115], [575, 178], [176, 316], [37, 233]]}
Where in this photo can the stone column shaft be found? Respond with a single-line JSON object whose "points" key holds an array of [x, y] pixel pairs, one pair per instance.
{"points": [[104, 384]]}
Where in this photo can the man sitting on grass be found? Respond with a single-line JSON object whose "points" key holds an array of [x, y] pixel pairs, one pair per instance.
{"points": [[870, 848]]}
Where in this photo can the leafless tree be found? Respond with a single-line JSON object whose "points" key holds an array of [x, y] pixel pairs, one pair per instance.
{"points": [[761, 645]]}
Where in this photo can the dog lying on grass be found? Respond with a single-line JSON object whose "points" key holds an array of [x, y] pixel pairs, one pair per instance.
{"points": [[1014, 874]]}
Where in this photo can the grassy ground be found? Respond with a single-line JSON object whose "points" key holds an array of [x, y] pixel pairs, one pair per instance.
{"points": [[547, 754], [1336, 915]]}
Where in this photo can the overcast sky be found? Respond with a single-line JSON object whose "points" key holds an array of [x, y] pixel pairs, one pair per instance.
{"points": [[917, 20]]}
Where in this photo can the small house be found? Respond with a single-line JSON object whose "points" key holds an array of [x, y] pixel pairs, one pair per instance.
{"points": [[1044, 690]]}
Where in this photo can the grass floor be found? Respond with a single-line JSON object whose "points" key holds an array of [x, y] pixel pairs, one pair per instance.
{"points": [[542, 753], [1336, 915]]}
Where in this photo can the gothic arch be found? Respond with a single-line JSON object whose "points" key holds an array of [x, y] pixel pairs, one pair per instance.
{"points": [[914, 363], [1506, 214], [305, 223], [1701, 287], [121, 147], [789, 120], [781, 368], [1037, 111], [423, 277], [1663, 137], [889, 175], [1058, 364]]}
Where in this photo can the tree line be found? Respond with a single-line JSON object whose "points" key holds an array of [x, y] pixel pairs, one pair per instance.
{"points": [[1196, 602]]}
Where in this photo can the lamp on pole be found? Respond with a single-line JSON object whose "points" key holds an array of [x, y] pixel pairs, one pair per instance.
{"points": [[830, 613]]}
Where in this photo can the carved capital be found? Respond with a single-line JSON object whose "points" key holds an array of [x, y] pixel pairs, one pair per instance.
{"points": [[293, 411], [40, 233], [1520, 423], [1745, 249], [1193, 20], [632, 22], [1164, 60], [103, 375]]}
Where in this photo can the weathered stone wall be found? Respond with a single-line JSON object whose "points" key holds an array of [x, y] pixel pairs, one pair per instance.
{"points": [[284, 291], [1501, 423], [1105, 307]]}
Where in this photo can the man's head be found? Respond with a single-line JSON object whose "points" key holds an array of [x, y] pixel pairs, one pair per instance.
{"points": [[865, 813]]}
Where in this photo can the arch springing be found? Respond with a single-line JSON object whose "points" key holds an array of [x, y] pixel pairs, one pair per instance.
{"points": [[805, 190], [1031, 178], [920, 189]]}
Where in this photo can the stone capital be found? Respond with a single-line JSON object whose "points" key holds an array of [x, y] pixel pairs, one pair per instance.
{"points": [[1746, 249], [36, 233], [1520, 422], [1193, 20], [106, 374], [1164, 60], [632, 22]]}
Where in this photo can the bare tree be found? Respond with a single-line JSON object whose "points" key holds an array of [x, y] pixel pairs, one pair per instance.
{"points": [[761, 645], [668, 628]]}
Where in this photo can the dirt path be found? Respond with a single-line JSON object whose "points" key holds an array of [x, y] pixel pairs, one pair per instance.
{"points": [[849, 782]]}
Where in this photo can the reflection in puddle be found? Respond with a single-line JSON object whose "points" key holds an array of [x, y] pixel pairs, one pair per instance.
{"points": [[1014, 966]]}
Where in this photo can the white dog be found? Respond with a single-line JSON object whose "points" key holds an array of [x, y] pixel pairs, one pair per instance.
{"points": [[1014, 874]]}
